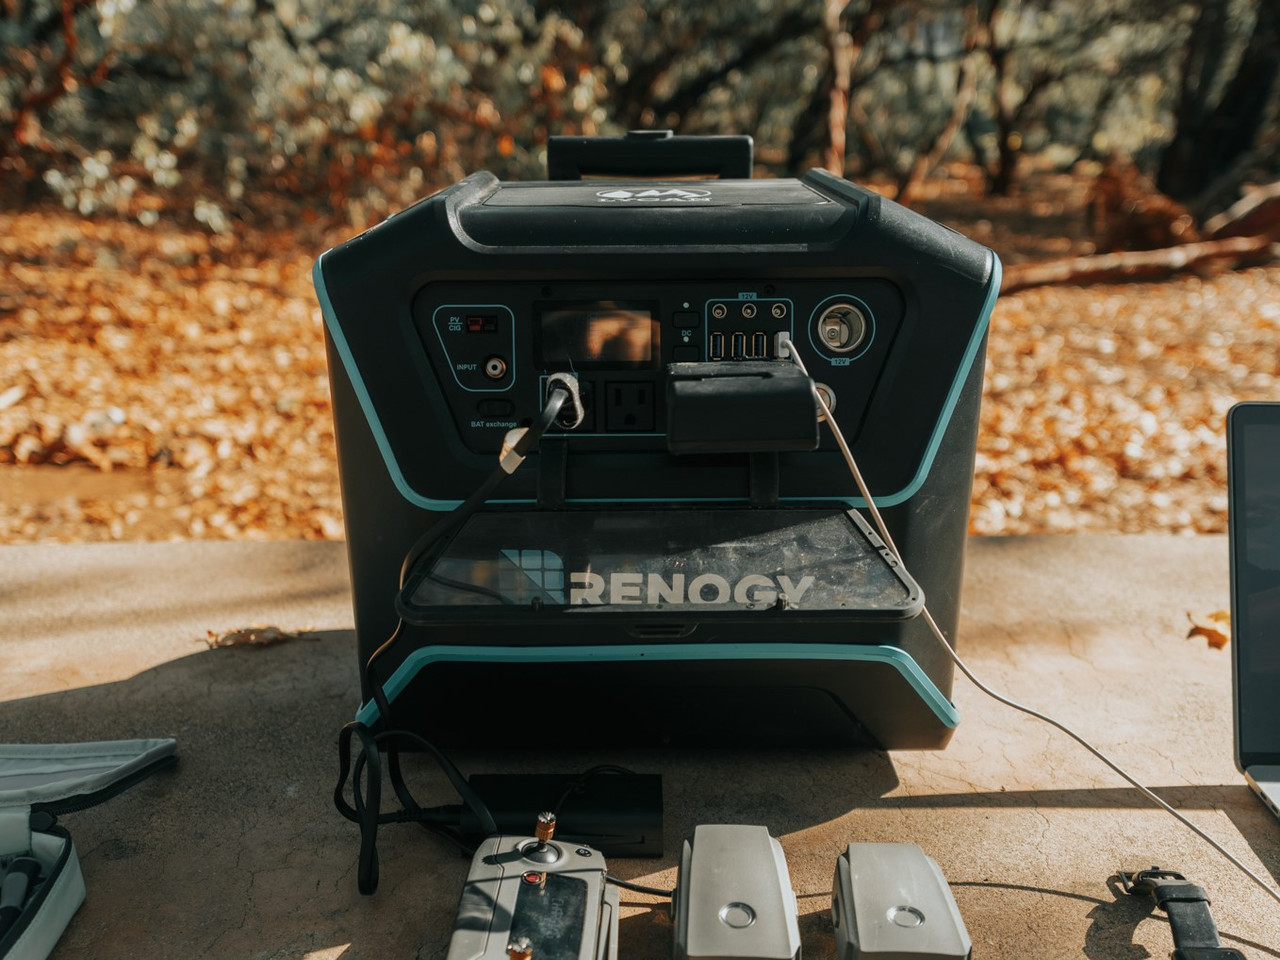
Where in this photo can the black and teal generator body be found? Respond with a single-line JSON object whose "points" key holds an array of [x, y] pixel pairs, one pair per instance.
{"points": [[689, 560]]}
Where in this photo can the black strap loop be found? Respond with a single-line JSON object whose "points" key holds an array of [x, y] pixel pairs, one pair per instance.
{"points": [[1195, 935]]}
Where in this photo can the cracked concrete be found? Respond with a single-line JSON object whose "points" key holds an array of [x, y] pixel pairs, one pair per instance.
{"points": [[239, 852]]}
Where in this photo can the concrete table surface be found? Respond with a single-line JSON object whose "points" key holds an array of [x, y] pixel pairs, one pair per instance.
{"points": [[238, 852]]}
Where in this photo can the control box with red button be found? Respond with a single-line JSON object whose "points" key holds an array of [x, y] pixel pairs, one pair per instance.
{"points": [[540, 899]]}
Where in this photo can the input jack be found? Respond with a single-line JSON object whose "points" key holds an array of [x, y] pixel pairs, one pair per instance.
{"points": [[495, 368]]}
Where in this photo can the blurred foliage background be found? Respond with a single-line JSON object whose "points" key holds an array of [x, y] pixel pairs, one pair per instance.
{"points": [[162, 366], [240, 110]]}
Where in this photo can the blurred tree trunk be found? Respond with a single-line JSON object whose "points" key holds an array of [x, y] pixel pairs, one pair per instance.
{"points": [[1213, 140], [823, 126], [929, 155], [840, 50], [1226, 254], [43, 60]]}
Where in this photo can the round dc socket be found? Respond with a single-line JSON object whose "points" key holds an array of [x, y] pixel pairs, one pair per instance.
{"points": [[842, 327], [828, 397], [495, 368]]}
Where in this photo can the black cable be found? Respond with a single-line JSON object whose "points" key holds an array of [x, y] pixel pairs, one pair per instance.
{"points": [[581, 780], [371, 680], [463, 587], [639, 887], [460, 784], [450, 524], [365, 808]]}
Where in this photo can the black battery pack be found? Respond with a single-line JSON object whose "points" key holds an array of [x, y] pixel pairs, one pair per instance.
{"points": [[619, 814], [745, 407]]}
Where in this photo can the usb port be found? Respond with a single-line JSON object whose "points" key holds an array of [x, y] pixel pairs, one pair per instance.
{"points": [[760, 345], [738, 346], [716, 351]]}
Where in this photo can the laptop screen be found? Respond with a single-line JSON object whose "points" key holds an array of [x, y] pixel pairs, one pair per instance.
{"points": [[1254, 519]]}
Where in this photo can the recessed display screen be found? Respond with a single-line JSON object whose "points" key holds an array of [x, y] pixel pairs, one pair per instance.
{"points": [[600, 334]]}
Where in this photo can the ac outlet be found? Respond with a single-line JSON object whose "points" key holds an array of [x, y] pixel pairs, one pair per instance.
{"points": [[629, 407]]}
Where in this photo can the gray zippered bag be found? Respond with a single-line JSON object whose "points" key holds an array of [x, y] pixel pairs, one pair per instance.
{"points": [[39, 783]]}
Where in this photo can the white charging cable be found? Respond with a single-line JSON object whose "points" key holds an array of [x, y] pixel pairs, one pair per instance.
{"points": [[883, 530]]}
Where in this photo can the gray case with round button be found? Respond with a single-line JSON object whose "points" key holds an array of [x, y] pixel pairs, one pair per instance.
{"points": [[890, 901], [734, 897]]}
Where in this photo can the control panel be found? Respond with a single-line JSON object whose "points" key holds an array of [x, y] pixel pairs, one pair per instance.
{"points": [[492, 357]]}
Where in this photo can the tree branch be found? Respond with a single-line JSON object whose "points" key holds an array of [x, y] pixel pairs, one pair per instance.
{"points": [[1141, 264]]}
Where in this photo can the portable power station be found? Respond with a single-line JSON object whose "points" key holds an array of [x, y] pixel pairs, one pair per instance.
{"points": [[681, 558]]}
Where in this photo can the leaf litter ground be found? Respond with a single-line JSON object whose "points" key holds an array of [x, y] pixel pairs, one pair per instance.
{"points": [[157, 383]]}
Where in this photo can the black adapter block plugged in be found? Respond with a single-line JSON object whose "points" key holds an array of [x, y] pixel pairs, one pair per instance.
{"points": [[751, 406]]}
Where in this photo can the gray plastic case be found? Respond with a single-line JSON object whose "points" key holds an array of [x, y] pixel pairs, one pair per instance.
{"points": [[890, 901], [734, 897], [503, 899], [38, 782]]}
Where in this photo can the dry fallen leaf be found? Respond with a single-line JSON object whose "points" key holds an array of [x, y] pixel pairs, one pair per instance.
{"points": [[1214, 627], [253, 637]]}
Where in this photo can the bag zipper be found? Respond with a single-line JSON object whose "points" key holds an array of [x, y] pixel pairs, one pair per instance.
{"points": [[52, 809]]}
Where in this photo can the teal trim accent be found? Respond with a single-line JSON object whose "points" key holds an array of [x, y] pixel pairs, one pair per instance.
{"points": [[366, 402], [953, 397], [900, 660]]}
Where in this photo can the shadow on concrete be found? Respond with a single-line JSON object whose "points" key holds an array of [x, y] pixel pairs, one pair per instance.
{"points": [[1113, 922], [1238, 803], [239, 852]]}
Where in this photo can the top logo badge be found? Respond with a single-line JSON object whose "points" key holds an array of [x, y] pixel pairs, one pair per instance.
{"points": [[651, 195]]}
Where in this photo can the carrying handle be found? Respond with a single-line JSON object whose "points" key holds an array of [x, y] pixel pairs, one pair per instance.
{"points": [[650, 153]]}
